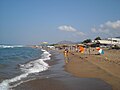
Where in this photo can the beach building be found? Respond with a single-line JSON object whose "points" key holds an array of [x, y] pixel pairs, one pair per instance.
{"points": [[109, 41], [115, 40]]}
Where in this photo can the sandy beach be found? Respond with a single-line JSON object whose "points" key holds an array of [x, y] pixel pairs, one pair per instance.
{"points": [[75, 75], [105, 67], [60, 45]]}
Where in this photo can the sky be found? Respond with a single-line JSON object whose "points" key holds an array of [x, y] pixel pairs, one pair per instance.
{"points": [[36, 21]]}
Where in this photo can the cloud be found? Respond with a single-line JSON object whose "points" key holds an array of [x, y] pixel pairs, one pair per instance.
{"points": [[67, 28], [113, 25], [107, 27], [71, 29], [94, 29], [99, 30], [80, 33]]}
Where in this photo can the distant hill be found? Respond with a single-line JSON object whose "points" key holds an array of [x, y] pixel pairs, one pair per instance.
{"points": [[66, 42]]}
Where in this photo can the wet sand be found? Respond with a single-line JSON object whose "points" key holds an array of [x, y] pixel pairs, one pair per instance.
{"points": [[67, 83], [55, 78], [105, 67], [42, 84]]}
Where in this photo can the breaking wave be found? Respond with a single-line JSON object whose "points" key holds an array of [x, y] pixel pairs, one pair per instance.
{"points": [[31, 67], [10, 46]]}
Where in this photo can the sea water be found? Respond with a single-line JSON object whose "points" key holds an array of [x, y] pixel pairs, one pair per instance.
{"points": [[18, 62]]}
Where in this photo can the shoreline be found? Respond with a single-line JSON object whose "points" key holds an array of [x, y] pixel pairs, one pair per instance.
{"points": [[56, 78]]}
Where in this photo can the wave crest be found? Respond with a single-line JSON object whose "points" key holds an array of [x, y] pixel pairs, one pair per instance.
{"points": [[31, 67]]}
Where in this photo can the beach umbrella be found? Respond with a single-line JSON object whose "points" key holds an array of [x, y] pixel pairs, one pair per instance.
{"points": [[101, 51], [98, 48], [82, 49]]}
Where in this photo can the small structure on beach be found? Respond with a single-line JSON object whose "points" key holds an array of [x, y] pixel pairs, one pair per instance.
{"points": [[108, 42]]}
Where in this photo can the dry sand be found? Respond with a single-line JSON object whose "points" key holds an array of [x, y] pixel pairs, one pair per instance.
{"points": [[105, 67]]}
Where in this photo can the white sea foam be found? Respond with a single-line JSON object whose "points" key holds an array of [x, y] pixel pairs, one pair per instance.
{"points": [[10, 46], [29, 68]]}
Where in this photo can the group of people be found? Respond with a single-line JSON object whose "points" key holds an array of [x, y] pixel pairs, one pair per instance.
{"points": [[82, 49]]}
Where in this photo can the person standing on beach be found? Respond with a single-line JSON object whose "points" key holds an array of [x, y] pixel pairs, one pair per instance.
{"points": [[89, 50], [66, 55], [76, 48]]}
